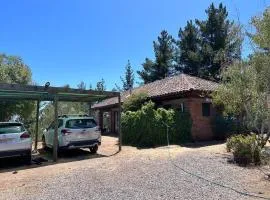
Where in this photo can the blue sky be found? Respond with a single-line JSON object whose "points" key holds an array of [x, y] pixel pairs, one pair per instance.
{"points": [[68, 41]]}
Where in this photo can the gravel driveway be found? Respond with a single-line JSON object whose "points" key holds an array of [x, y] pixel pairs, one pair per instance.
{"points": [[136, 174]]}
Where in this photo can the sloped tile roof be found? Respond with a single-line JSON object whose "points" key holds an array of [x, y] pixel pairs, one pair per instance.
{"points": [[167, 86]]}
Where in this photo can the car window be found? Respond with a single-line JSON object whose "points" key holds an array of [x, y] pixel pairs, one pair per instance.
{"points": [[81, 123], [11, 128], [60, 124]]}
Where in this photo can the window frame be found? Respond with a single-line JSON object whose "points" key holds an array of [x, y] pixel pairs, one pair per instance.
{"points": [[206, 111]]}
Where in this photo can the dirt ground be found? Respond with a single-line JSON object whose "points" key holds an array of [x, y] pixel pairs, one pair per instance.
{"points": [[14, 177]]}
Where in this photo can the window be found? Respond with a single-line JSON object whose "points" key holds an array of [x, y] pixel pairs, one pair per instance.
{"points": [[81, 123], [181, 107], [11, 128], [167, 106], [206, 109], [60, 124]]}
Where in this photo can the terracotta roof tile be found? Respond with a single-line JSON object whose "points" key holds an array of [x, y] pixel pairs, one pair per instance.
{"points": [[170, 85]]}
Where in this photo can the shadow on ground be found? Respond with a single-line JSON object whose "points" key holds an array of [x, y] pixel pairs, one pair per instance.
{"points": [[187, 145], [44, 158]]}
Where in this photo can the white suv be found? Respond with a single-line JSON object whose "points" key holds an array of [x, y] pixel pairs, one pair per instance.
{"points": [[74, 131], [15, 141]]}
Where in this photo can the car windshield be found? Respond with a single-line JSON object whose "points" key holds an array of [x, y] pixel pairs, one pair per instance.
{"points": [[81, 123], [11, 128]]}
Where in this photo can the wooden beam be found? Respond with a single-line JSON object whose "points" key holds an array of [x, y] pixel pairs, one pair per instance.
{"points": [[53, 90], [55, 138], [119, 122], [37, 123]]}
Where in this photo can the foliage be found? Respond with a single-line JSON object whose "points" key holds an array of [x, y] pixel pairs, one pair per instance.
{"points": [[128, 81], [101, 85], [245, 149], [164, 56], [146, 127], [188, 53], [246, 85], [135, 101], [225, 126], [220, 41], [13, 70], [204, 48]]}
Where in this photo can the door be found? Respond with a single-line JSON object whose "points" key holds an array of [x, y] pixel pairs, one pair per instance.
{"points": [[50, 132], [116, 122]]}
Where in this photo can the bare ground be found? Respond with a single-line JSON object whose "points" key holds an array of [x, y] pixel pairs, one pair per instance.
{"points": [[155, 173]]}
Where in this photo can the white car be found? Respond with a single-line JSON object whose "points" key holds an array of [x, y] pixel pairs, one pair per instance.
{"points": [[74, 132], [15, 141]]}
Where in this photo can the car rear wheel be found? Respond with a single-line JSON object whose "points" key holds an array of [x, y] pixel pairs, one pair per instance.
{"points": [[28, 158], [44, 145], [94, 149]]}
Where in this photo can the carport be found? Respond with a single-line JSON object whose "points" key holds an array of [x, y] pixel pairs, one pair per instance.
{"points": [[17, 92]]}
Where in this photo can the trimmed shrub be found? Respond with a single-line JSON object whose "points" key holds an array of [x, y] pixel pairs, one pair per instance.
{"points": [[146, 126], [225, 127], [245, 149], [134, 102]]}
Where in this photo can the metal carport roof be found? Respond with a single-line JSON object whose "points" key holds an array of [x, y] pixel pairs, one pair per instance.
{"points": [[55, 94]]}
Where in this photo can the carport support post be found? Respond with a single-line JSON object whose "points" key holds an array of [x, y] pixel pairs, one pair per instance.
{"points": [[37, 123], [119, 123], [55, 138]]}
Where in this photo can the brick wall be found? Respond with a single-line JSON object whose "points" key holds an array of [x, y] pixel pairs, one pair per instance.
{"points": [[202, 126]]}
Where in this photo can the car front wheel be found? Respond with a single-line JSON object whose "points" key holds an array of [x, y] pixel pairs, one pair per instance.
{"points": [[94, 149]]}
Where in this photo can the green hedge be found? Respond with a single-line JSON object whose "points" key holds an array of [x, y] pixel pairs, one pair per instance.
{"points": [[245, 149], [145, 127]]}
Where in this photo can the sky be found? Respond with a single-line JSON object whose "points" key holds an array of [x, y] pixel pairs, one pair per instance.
{"points": [[67, 41]]}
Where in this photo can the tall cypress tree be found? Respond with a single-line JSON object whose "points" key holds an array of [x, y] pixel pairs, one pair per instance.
{"points": [[128, 80], [164, 56], [188, 55], [220, 41]]}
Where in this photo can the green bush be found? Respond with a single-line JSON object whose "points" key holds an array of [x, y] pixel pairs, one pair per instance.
{"points": [[146, 126], [224, 127], [245, 149], [134, 102]]}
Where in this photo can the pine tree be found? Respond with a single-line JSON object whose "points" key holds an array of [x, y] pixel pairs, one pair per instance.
{"points": [[220, 41], [164, 56], [82, 85], [101, 85], [128, 80], [188, 50]]}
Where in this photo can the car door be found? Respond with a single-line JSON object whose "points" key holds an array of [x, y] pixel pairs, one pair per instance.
{"points": [[50, 131], [48, 136]]}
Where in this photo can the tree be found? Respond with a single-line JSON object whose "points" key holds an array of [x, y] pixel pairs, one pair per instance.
{"points": [[246, 86], [164, 56], [188, 50], [135, 101], [13, 70], [82, 85], [101, 85], [128, 80], [220, 42]]}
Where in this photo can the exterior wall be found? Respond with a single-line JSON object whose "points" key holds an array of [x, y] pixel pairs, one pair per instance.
{"points": [[112, 126], [202, 128]]}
